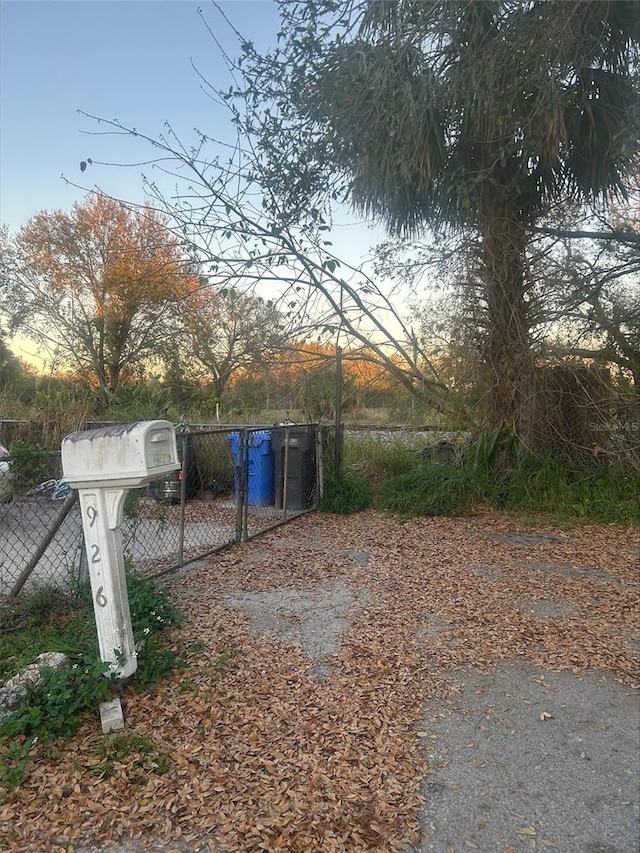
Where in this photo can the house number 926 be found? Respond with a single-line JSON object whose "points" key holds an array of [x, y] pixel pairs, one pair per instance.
{"points": [[92, 515]]}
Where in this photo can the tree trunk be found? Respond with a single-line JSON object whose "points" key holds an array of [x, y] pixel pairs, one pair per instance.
{"points": [[220, 382], [508, 351]]}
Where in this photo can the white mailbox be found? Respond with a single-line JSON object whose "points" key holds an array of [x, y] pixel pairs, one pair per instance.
{"points": [[125, 455], [103, 464]]}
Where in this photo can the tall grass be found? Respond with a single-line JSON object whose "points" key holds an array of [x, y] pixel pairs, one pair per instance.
{"points": [[391, 475], [591, 493], [369, 461], [345, 494], [378, 456], [431, 489]]}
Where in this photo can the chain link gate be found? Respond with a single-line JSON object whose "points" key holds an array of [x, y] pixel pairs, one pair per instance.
{"points": [[234, 483]]}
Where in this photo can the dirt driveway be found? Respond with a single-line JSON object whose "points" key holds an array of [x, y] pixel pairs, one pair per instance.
{"points": [[363, 684]]}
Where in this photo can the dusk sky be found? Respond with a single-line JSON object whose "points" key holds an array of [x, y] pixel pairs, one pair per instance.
{"points": [[130, 60]]}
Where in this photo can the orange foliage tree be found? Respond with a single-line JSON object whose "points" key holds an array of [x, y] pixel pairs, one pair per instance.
{"points": [[97, 288], [228, 332], [304, 374]]}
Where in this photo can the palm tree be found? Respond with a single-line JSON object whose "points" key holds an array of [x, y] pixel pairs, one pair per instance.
{"points": [[466, 114]]}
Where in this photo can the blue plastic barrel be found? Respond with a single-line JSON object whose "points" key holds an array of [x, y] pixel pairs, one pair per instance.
{"points": [[259, 465]]}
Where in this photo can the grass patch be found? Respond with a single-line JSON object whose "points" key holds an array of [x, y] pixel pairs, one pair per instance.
{"points": [[378, 457], [591, 494], [47, 621], [430, 490], [391, 473], [140, 755], [346, 494], [54, 708], [603, 496]]}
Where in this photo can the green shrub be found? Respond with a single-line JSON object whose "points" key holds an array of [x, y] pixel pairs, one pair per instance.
{"points": [[430, 490], [582, 492], [30, 465], [345, 494], [54, 708], [151, 609], [490, 472]]}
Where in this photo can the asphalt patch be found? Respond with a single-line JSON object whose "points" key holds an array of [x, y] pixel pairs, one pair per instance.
{"points": [[312, 619], [526, 759]]}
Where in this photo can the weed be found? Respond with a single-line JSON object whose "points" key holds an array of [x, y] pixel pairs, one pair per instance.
{"points": [[140, 753], [155, 662], [491, 449], [43, 603], [429, 490], [130, 507], [491, 473], [224, 659], [151, 609], [30, 464], [54, 708], [14, 758], [379, 458], [215, 668], [30, 629], [590, 494], [345, 494]]}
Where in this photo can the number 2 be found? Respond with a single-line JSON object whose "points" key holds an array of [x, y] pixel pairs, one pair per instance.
{"points": [[95, 553]]}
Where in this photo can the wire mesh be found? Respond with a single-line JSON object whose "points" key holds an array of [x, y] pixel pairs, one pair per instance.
{"points": [[40, 530], [234, 483]]}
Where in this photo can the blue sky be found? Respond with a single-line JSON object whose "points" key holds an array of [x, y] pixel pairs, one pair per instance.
{"points": [[124, 59], [130, 60]]}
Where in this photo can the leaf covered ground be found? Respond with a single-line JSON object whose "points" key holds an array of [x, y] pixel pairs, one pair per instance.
{"points": [[297, 727]]}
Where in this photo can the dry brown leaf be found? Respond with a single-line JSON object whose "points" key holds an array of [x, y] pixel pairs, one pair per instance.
{"points": [[265, 757]]}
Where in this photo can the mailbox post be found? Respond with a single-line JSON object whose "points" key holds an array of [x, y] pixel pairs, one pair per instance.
{"points": [[103, 464]]}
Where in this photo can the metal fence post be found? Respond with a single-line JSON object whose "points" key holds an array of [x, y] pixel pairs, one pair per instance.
{"points": [[319, 465], [285, 473], [243, 486], [247, 486], [70, 500], [183, 498], [83, 569]]}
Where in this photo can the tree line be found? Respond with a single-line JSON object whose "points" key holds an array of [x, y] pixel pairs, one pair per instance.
{"points": [[105, 291], [110, 296]]}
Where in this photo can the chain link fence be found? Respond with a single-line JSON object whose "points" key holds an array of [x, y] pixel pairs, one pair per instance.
{"points": [[234, 483]]}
